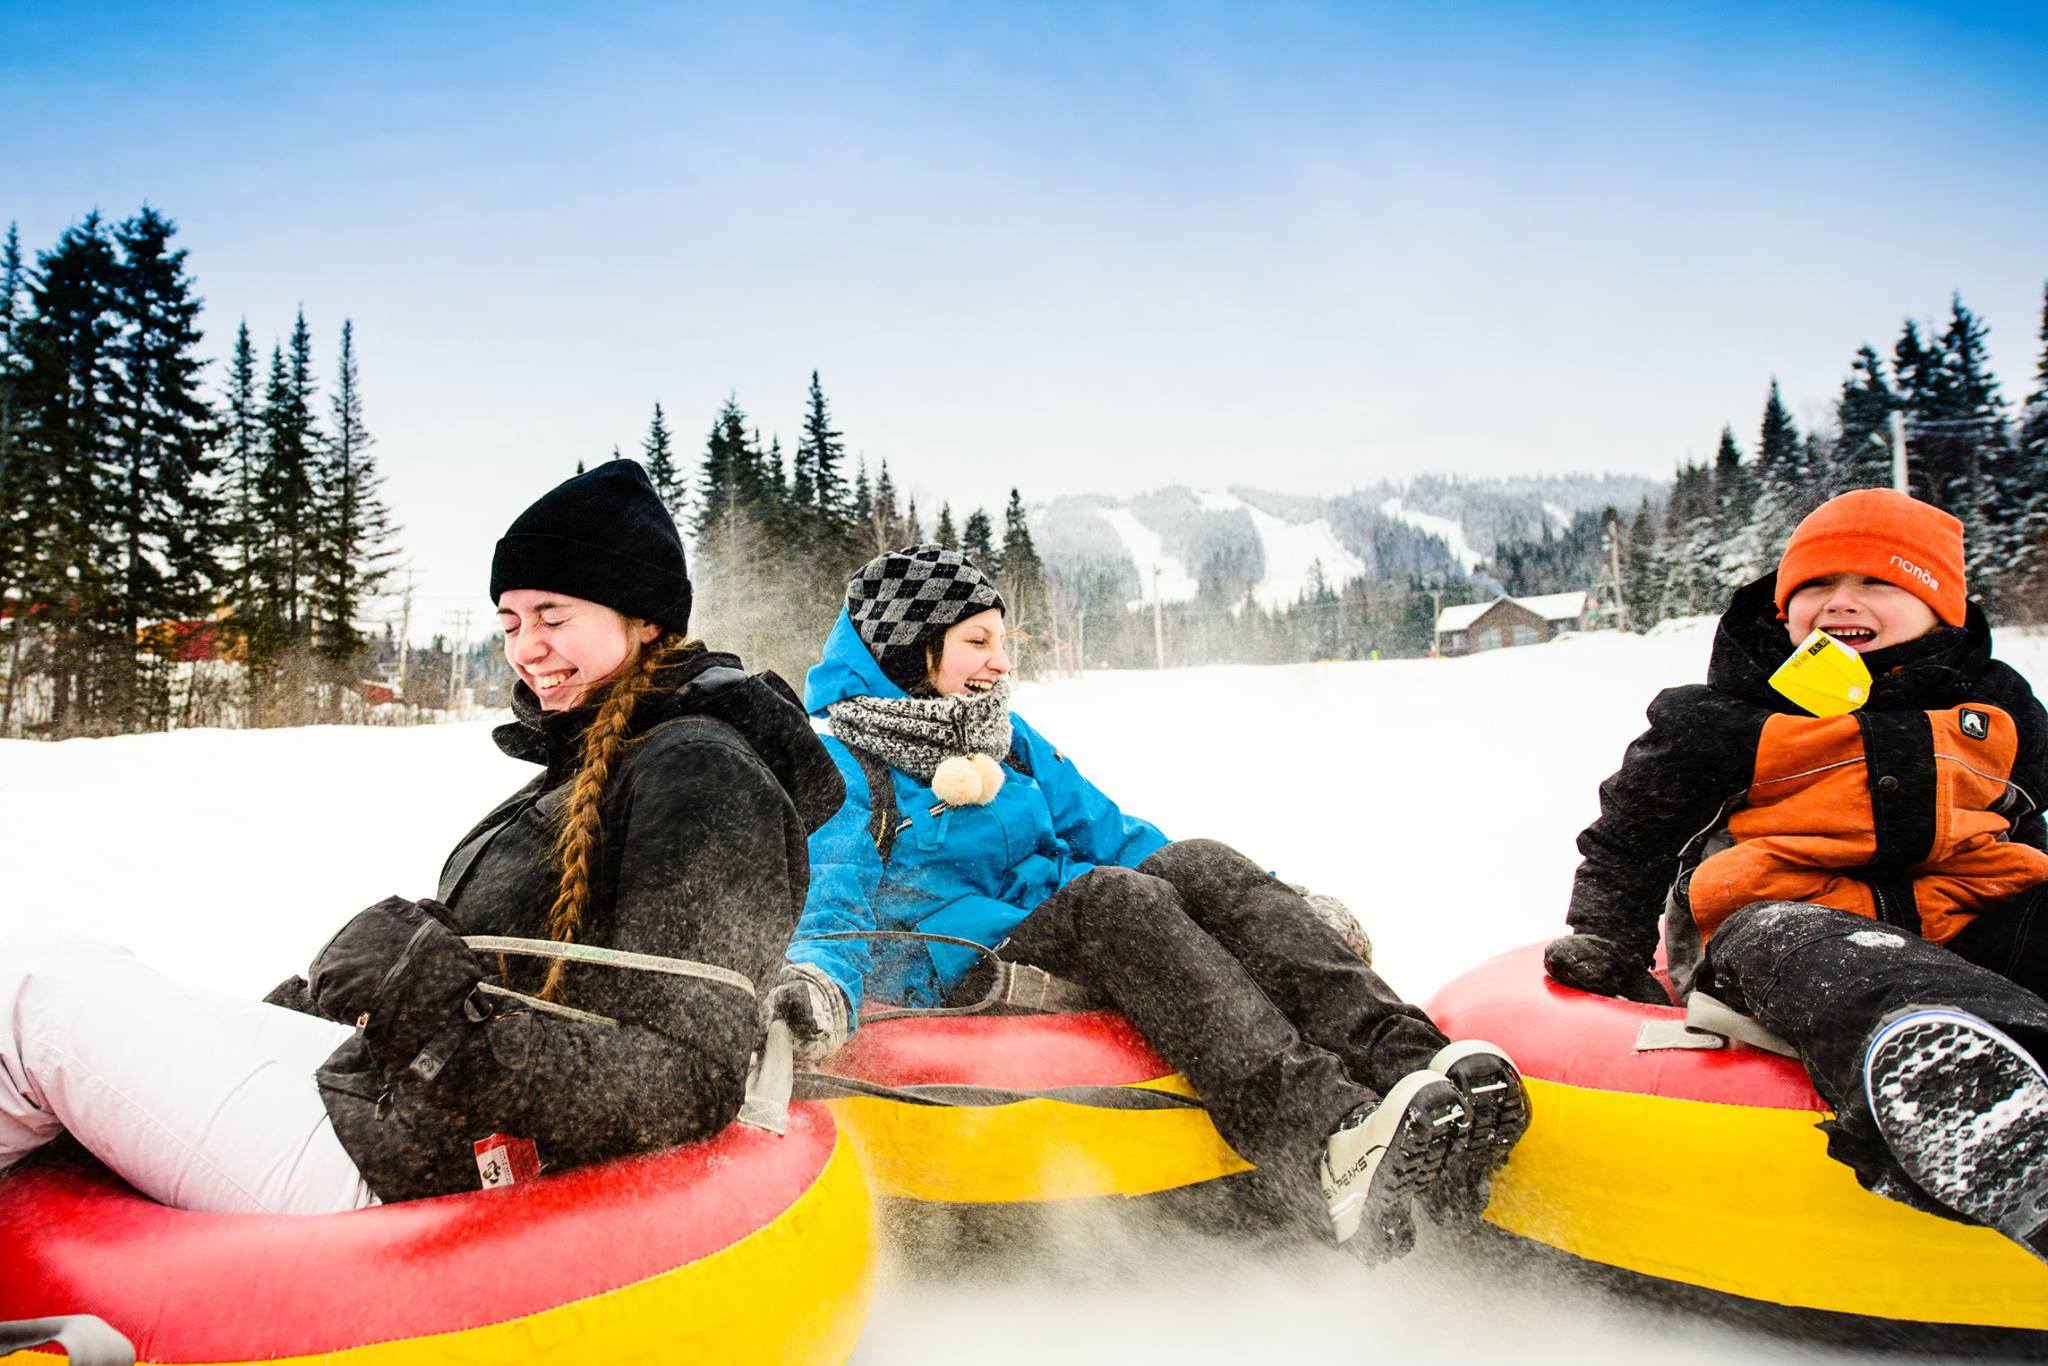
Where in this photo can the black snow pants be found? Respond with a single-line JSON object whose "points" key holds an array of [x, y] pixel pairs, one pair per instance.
{"points": [[1822, 980], [1280, 1027]]}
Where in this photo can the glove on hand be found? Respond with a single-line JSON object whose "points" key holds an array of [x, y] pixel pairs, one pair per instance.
{"points": [[807, 999], [1597, 964], [401, 974], [1339, 917]]}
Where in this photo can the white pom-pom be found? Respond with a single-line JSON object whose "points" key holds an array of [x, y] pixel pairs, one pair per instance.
{"points": [[990, 774], [967, 780], [956, 783]]}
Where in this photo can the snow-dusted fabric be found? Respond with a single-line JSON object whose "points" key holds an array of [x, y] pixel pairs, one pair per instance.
{"points": [[972, 872], [916, 734], [1824, 982], [198, 1099]]}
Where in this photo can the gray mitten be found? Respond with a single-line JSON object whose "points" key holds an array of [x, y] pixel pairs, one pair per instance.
{"points": [[1334, 913], [819, 1018]]}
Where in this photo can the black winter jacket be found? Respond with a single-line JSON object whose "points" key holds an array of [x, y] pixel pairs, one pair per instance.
{"points": [[705, 821], [1669, 805]]}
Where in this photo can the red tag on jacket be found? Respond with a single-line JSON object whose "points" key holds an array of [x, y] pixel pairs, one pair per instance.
{"points": [[502, 1160]]}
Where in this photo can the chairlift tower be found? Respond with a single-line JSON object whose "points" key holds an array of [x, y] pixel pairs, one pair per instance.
{"points": [[1610, 573]]}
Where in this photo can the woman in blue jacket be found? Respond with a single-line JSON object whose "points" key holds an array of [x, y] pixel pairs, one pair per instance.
{"points": [[1309, 1064]]}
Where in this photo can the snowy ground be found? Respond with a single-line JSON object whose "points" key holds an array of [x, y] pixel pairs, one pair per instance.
{"points": [[1439, 798]]}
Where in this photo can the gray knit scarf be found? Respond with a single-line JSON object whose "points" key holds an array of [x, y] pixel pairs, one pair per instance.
{"points": [[914, 733]]}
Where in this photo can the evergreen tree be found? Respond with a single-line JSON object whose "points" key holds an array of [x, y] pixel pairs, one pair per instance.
{"points": [[1928, 401], [163, 520], [2027, 572], [863, 506], [978, 542], [288, 503], [775, 478], [1317, 610], [763, 498], [13, 281], [821, 451], [888, 518], [355, 552], [723, 480], [913, 530], [943, 533], [1691, 546], [803, 484], [1863, 447], [1978, 491], [1024, 575], [1736, 549], [659, 451], [1642, 578], [61, 472], [1783, 491], [1732, 492], [242, 471]]}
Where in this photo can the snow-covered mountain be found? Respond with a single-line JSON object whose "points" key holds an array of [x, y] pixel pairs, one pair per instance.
{"points": [[1244, 544]]}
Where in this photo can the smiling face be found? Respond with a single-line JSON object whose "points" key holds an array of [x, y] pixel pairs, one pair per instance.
{"points": [[973, 659], [1862, 612], [562, 647]]}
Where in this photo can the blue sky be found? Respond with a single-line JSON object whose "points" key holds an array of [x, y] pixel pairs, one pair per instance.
{"points": [[1068, 247]]}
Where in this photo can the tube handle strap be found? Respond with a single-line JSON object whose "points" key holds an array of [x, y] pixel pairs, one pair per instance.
{"points": [[1709, 1023], [825, 1086], [612, 958]]}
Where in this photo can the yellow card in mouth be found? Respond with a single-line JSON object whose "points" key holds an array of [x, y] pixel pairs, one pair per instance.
{"points": [[1824, 676]]}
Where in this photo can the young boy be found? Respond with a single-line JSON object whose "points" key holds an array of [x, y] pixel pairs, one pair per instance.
{"points": [[1872, 886]]}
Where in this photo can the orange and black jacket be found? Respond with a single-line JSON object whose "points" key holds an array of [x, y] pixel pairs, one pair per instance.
{"points": [[1922, 809]]}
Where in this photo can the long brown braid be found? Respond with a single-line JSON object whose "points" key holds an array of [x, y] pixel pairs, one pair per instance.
{"points": [[576, 846]]}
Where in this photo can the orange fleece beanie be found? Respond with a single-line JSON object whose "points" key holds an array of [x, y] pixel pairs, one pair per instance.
{"points": [[1885, 535]]}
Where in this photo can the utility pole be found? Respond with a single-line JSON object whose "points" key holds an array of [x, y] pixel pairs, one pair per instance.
{"points": [[1899, 451], [1158, 622], [1052, 614], [457, 658], [1611, 577], [404, 635], [1436, 615]]}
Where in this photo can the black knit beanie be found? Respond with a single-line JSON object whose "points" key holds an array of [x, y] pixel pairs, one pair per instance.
{"points": [[603, 536], [898, 601]]}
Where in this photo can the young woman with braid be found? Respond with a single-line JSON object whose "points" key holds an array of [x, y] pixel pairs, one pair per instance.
{"points": [[669, 819]]}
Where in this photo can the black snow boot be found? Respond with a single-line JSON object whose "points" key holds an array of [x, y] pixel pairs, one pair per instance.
{"points": [[1499, 1106], [1385, 1155], [1964, 1109]]}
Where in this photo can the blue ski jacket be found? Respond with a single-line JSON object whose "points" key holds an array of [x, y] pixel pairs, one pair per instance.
{"points": [[971, 872]]}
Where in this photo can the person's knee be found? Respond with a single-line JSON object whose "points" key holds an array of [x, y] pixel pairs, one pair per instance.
{"points": [[1120, 901], [1188, 861], [51, 980], [1781, 925], [1756, 946]]}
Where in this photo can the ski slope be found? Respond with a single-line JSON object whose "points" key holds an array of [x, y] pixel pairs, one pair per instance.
{"points": [[1290, 550], [1438, 797], [1158, 572], [1451, 533]]}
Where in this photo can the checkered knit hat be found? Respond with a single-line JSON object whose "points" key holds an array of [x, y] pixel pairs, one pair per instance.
{"points": [[898, 601]]}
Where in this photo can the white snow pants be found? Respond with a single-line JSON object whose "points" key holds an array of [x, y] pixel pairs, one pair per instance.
{"points": [[198, 1099]]}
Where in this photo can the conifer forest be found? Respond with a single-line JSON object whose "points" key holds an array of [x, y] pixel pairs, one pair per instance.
{"points": [[183, 546], [191, 541]]}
